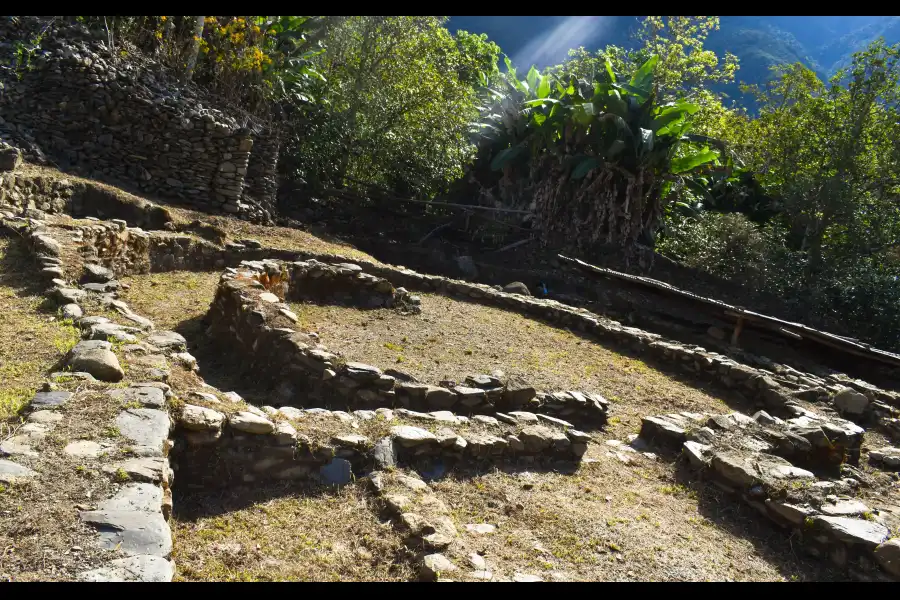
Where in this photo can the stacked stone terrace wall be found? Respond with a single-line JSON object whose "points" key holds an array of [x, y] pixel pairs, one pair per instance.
{"points": [[114, 119], [776, 387]]}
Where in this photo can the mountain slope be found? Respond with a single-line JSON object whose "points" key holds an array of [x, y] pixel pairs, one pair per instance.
{"points": [[823, 43]]}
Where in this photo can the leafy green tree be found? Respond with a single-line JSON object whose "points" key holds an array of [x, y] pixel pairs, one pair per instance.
{"points": [[398, 91]]}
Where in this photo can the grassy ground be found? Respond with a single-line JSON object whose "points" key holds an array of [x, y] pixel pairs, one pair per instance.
{"points": [[451, 339], [31, 340], [285, 533], [645, 521]]}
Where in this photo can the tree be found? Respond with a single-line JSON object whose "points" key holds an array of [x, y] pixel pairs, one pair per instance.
{"points": [[194, 47], [399, 99]]}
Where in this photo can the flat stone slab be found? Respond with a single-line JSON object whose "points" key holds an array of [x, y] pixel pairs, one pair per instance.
{"points": [[50, 400], [144, 497], [19, 445], [147, 397], [45, 417], [337, 472], [121, 333], [131, 531], [144, 567], [145, 426], [555, 421], [480, 528], [167, 339], [11, 472], [153, 469], [84, 449], [854, 531]]}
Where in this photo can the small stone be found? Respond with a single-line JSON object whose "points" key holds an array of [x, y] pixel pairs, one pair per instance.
{"points": [[888, 556], [516, 287], [167, 339], [383, 453], [251, 423], [481, 528], [845, 508], [486, 420], [696, 454], [409, 437], [96, 358], [50, 400], [524, 417], [84, 449], [11, 472], [198, 418], [578, 436], [71, 311], [269, 297], [337, 472], [849, 401], [526, 578], [555, 421], [96, 274], [434, 566]]}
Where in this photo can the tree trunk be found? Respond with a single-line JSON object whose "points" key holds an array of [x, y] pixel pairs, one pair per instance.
{"points": [[194, 49], [610, 206]]}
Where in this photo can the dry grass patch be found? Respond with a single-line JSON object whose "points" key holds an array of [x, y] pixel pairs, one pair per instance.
{"points": [[31, 341], [451, 339], [285, 532], [611, 522], [282, 238], [171, 298]]}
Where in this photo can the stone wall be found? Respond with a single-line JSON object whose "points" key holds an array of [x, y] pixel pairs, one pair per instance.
{"points": [[774, 466], [258, 331], [777, 387], [115, 119], [216, 447]]}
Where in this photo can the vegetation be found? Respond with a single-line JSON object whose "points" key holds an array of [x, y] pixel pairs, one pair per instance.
{"points": [[615, 147]]}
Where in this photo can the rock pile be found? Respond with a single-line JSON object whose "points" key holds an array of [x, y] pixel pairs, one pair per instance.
{"points": [[769, 464]]}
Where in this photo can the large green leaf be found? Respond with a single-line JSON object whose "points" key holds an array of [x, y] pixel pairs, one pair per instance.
{"points": [[532, 78], [643, 77], [692, 161], [505, 156], [543, 89], [641, 94], [609, 71]]}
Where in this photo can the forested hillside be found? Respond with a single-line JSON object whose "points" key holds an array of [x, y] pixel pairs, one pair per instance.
{"points": [[628, 145]]}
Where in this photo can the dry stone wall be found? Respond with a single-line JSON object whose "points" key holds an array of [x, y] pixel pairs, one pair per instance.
{"points": [[333, 278], [258, 330], [116, 119], [772, 465]]}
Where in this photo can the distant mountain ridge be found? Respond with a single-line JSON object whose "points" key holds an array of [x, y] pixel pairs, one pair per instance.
{"points": [[824, 44]]}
